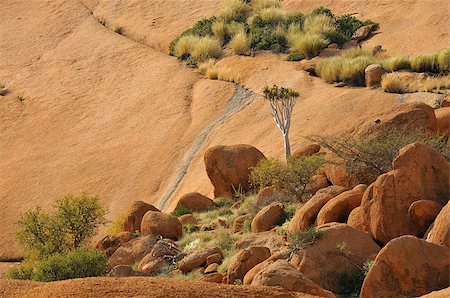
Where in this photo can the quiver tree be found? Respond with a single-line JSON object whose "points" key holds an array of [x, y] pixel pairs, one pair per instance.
{"points": [[282, 101]]}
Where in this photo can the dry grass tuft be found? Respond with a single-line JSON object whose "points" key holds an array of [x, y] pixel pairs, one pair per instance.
{"points": [[240, 44], [308, 44], [319, 24], [219, 30], [199, 48], [233, 9], [272, 14], [258, 5], [396, 63]]}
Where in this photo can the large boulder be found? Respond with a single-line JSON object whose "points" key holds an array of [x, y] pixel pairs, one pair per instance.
{"points": [[132, 251], [423, 213], [440, 232], [443, 120], [338, 208], [373, 74], [408, 267], [195, 201], [163, 224], [281, 273], [248, 278], [269, 239], [197, 259], [134, 214], [340, 251], [317, 182], [339, 176], [245, 260], [267, 218], [356, 219], [228, 168], [109, 244], [306, 215], [363, 32], [419, 172]]}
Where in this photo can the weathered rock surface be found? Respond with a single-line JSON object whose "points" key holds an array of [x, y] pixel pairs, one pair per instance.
{"points": [[134, 215], [197, 259], [187, 219], [159, 223], [245, 260], [267, 218], [228, 168], [306, 150], [419, 172], [443, 120], [423, 213], [408, 267], [373, 74], [356, 220], [440, 233], [132, 251], [109, 244], [195, 201], [239, 222]]}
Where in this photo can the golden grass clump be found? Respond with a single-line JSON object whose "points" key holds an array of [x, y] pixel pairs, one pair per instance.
{"points": [[218, 29], [293, 32], [209, 69], [258, 5], [234, 28], [329, 69], [319, 24], [434, 84], [240, 44], [424, 63], [232, 9], [228, 75], [353, 70], [394, 84], [199, 48], [396, 63], [308, 44], [443, 60], [357, 52], [205, 66], [272, 14]]}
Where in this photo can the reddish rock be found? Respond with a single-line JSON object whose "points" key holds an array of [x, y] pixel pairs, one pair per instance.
{"points": [[356, 220], [187, 219], [445, 102], [418, 172], [373, 74], [440, 232], [340, 250], [214, 258], [330, 52], [163, 224], [423, 213], [212, 277], [211, 268], [443, 120], [306, 215], [408, 267], [124, 271], [339, 176], [306, 150], [362, 33], [132, 251], [281, 273], [309, 65], [109, 244], [194, 201], [267, 218], [269, 239], [228, 168], [338, 208], [239, 222], [134, 215], [245, 260], [163, 252], [317, 182], [197, 259], [248, 278], [350, 44], [265, 196]]}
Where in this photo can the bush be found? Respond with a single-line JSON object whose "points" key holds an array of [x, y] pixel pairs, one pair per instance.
{"points": [[425, 63], [350, 284], [181, 210], [272, 15], [302, 239], [223, 202], [348, 24], [23, 272], [75, 264], [117, 226], [353, 70], [295, 19], [309, 45], [218, 29], [289, 179], [367, 157], [322, 11], [443, 60], [295, 56], [267, 35], [74, 221], [394, 84]]}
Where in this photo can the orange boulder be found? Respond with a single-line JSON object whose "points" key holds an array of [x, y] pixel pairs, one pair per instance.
{"points": [[163, 224]]}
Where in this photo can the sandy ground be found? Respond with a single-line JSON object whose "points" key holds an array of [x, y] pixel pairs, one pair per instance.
{"points": [[114, 115]]}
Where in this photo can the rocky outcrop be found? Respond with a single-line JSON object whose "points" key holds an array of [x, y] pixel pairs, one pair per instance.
{"points": [[339, 176], [194, 201], [408, 267], [109, 244], [338, 208], [267, 218], [423, 213], [132, 251], [373, 74], [306, 215], [281, 273], [443, 120], [419, 172], [163, 224], [341, 250], [440, 233], [134, 214], [363, 32], [317, 182], [228, 168], [356, 220], [164, 252], [198, 259], [245, 260], [269, 239]]}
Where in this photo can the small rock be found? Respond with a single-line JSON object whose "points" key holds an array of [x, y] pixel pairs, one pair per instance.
{"points": [[211, 268], [195, 201], [159, 223], [373, 74], [267, 218]]}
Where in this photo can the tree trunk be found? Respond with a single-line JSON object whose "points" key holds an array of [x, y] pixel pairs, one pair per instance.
{"points": [[287, 147]]}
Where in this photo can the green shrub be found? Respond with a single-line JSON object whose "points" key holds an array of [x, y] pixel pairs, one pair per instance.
{"points": [[181, 210], [425, 63], [295, 56], [24, 271], [257, 5], [335, 37], [302, 239], [289, 179], [117, 225], [350, 284], [443, 60], [348, 24], [287, 214], [296, 19], [367, 157], [265, 36], [322, 11], [202, 28], [234, 10], [319, 24], [75, 220], [75, 264]]}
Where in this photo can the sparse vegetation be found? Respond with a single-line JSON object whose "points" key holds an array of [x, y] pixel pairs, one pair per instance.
{"points": [[394, 83], [309, 45], [181, 210], [302, 239], [367, 157], [350, 284], [117, 225]]}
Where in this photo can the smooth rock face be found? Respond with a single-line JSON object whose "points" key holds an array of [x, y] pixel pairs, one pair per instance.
{"points": [[195, 201], [423, 213], [197, 259], [440, 232], [408, 267], [306, 150], [248, 278], [281, 273], [245, 260], [267, 218], [443, 120], [306, 215], [373, 74], [317, 182], [334, 254], [356, 220], [228, 168], [163, 224], [187, 219], [268, 239], [418, 172], [134, 216], [338, 208], [339, 176]]}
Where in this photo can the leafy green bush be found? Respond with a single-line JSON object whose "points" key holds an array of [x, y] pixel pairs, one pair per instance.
{"points": [[74, 264], [289, 179], [367, 157], [295, 56], [181, 210], [24, 271], [348, 25], [322, 11], [302, 239], [296, 19], [75, 220], [264, 36], [287, 214]]}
